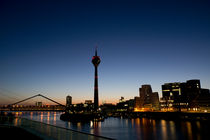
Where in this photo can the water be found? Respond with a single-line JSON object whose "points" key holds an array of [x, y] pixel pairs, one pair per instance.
{"points": [[140, 128]]}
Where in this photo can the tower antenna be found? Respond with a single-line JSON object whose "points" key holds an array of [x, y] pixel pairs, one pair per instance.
{"points": [[96, 50]]}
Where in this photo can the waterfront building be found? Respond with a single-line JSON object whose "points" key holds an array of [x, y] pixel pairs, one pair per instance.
{"points": [[108, 108], [203, 102], [122, 106], [184, 96], [148, 100], [96, 61], [137, 102], [155, 101], [127, 105], [131, 104], [174, 96]]}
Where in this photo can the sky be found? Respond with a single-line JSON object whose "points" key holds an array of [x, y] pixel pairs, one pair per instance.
{"points": [[46, 47]]}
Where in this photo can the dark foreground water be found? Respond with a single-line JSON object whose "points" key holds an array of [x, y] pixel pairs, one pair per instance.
{"points": [[140, 128]]}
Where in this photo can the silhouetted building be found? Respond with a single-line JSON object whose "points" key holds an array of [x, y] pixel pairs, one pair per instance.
{"points": [[88, 101], [131, 104], [148, 100], [108, 108], [68, 101], [182, 96], [137, 102], [203, 101], [174, 95], [122, 99], [155, 101], [205, 91], [122, 106], [96, 61], [125, 105]]}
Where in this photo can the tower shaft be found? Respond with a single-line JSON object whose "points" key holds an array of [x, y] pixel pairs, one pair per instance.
{"points": [[96, 89]]}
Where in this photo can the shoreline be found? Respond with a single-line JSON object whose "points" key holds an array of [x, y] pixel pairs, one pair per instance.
{"points": [[164, 115]]}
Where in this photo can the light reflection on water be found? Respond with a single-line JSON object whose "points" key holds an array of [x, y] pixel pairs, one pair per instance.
{"points": [[119, 128]]}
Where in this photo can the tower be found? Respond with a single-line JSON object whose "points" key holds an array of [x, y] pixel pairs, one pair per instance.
{"points": [[96, 61], [68, 101]]}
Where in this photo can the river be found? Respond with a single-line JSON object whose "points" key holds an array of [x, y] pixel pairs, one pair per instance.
{"points": [[127, 129]]}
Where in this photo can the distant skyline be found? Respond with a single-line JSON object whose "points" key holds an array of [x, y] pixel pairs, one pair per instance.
{"points": [[46, 47]]}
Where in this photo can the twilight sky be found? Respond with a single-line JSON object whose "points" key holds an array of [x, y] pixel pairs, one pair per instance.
{"points": [[46, 47]]}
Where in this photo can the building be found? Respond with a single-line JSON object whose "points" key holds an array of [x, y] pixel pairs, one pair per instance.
{"points": [[68, 101], [131, 104], [148, 100], [88, 101], [137, 103], [183, 96], [125, 105], [96, 61], [155, 101], [108, 108], [174, 96], [121, 99]]}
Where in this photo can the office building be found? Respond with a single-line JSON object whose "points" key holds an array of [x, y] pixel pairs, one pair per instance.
{"points": [[183, 96]]}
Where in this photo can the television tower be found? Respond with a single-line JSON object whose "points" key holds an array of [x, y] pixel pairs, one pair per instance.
{"points": [[96, 61]]}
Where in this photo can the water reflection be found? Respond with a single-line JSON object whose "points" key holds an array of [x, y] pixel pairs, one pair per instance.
{"points": [[48, 117], [164, 129], [189, 130], [41, 117], [172, 130], [95, 128], [16, 122], [54, 118], [119, 128], [31, 115]]}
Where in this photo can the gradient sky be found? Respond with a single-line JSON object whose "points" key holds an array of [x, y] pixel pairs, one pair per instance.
{"points": [[46, 47]]}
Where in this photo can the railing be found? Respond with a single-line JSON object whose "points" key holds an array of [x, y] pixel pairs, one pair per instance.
{"points": [[47, 131]]}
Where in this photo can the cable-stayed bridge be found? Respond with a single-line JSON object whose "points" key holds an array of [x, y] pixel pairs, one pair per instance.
{"points": [[15, 107]]}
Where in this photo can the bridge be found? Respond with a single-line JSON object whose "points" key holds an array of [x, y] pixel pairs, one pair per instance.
{"points": [[57, 107]]}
